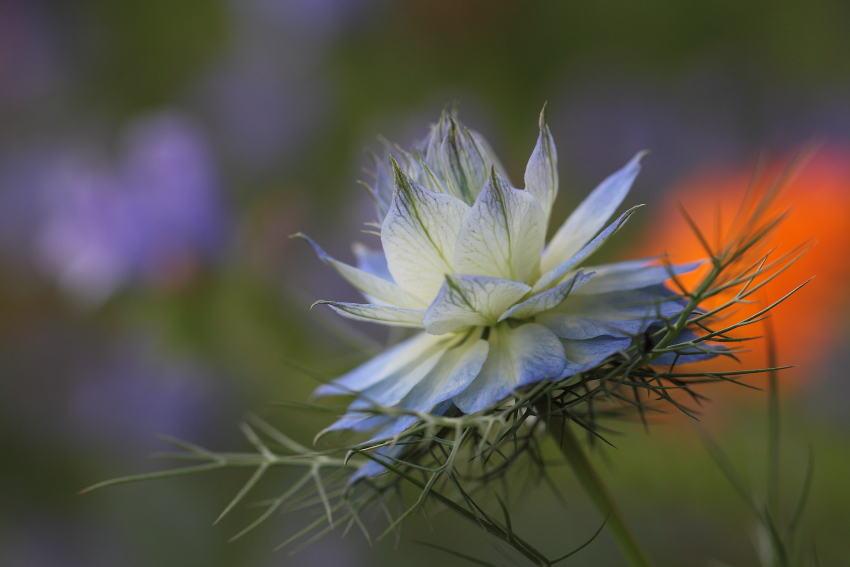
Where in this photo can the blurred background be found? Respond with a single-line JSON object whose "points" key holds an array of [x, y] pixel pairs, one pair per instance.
{"points": [[155, 156]]}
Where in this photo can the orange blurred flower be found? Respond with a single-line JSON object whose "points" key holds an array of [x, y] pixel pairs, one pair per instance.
{"points": [[810, 324]]}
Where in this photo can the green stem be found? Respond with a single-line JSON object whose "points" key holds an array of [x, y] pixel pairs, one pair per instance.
{"points": [[571, 448], [773, 421]]}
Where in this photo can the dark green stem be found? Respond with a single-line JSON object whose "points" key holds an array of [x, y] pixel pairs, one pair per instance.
{"points": [[574, 453], [774, 423]]}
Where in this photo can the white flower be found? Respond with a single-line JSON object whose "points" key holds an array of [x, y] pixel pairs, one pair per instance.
{"points": [[464, 260]]}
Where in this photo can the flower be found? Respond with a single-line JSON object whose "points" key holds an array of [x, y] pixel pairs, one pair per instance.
{"points": [[464, 260], [155, 214]]}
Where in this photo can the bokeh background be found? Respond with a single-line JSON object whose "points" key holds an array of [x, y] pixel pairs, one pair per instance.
{"points": [[155, 156]]}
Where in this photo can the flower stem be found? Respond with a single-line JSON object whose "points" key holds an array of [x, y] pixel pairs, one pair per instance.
{"points": [[561, 430]]}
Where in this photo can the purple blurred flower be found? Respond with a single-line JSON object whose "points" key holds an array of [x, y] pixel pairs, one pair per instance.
{"points": [[152, 215]]}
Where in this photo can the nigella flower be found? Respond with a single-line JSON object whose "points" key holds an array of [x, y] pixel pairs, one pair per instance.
{"points": [[464, 259]]}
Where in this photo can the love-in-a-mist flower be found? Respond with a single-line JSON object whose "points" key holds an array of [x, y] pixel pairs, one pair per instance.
{"points": [[464, 259]]}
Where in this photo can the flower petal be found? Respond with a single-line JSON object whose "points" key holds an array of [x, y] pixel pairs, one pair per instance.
{"points": [[464, 164], [622, 314], [419, 235], [518, 357], [541, 173], [381, 188], [503, 234], [568, 326], [456, 369], [383, 291], [393, 362], [471, 300], [372, 261], [553, 275], [584, 355], [634, 274], [591, 215], [652, 303], [386, 454], [688, 355], [384, 314], [390, 390], [548, 299]]}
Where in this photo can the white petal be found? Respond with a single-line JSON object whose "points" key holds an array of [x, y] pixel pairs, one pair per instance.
{"points": [[419, 235], [541, 173], [591, 215], [634, 274], [381, 189], [430, 180], [384, 314], [464, 163], [485, 149], [392, 362], [471, 300], [548, 299], [371, 285], [518, 357], [503, 234], [552, 276]]}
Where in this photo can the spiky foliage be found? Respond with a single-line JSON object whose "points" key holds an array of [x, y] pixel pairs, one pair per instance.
{"points": [[463, 463]]}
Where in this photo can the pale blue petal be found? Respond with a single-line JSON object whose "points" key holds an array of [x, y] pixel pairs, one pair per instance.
{"points": [[548, 299], [591, 215], [357, 421], [464, 301], [372, 261], [552, 276], [502, 235], [458, 367], [654, 303], [373, 468], [518, 357], [618, 314], [383, 291], [391, 390], [390, 453], [393, 362], [586, 354], [569, 326], [634, 274], [689, 354], [385, 315]]}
